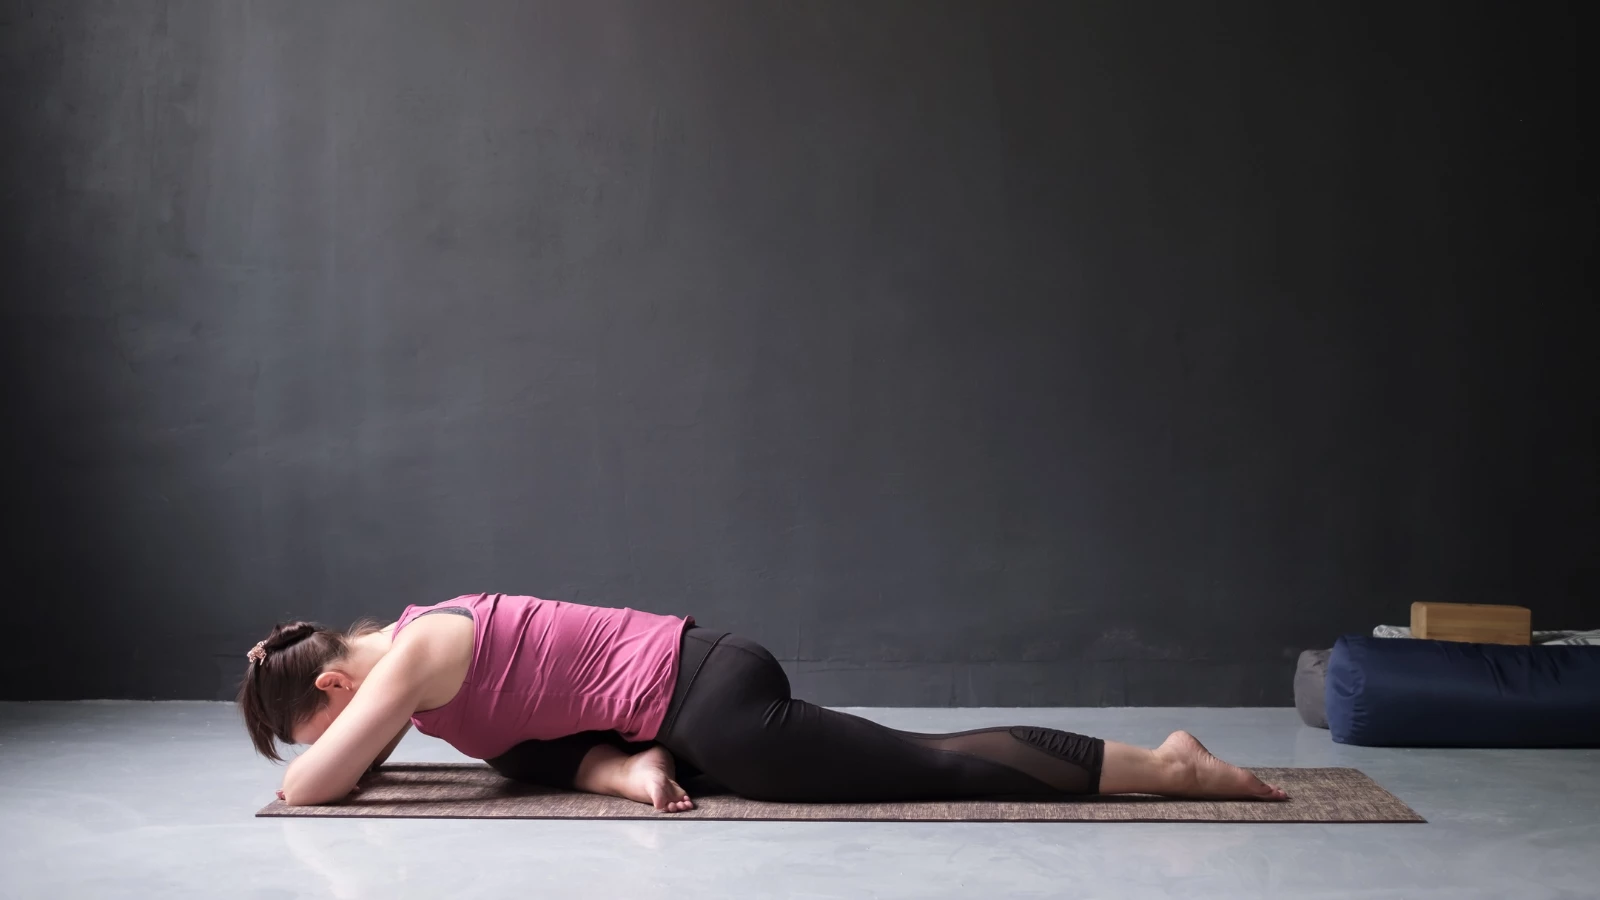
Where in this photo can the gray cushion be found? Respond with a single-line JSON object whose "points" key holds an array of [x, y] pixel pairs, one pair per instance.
{"points": [[1310, 677]]}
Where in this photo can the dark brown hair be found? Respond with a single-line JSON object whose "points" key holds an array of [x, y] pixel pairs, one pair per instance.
{"points": [[280, 691]]}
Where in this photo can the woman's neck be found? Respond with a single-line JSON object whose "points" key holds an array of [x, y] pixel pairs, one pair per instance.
{"points": [[365, 651]]}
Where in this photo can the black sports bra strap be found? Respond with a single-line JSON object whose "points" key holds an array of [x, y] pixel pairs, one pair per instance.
{"points": [[457, 610]]}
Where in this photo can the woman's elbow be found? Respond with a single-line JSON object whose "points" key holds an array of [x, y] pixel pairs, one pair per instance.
{"points": [[293, 795], [308, 792], [305, 797]]}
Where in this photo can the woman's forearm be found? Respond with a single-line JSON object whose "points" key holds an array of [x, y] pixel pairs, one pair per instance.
{"points": [[305, 785]]}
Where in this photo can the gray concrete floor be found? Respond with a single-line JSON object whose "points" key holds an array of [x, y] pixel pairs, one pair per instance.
{"points": [[111, 799]]}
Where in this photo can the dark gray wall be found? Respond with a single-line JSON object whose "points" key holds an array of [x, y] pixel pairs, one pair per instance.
{"points": [[965, 353]]}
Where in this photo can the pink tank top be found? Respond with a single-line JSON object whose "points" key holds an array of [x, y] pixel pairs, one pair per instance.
{"points": [[543, 669]]}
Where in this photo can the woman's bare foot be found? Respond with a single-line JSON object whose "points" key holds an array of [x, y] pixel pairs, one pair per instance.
{"points": [[648, 778], [1194, 772]]}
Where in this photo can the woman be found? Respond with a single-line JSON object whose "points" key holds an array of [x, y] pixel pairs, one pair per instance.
{"points": [[615, 701]]}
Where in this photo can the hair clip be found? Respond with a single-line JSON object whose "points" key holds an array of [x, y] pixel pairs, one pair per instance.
{"points": [[258, 653]]}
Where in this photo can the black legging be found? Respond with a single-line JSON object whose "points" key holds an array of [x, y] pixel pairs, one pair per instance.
{"points": [[732, 718]]}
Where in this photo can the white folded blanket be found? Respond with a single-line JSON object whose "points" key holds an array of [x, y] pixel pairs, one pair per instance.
{"points": [[1551, 638]]}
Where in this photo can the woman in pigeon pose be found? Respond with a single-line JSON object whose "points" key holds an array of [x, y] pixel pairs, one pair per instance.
{"points": [[627, 703]]}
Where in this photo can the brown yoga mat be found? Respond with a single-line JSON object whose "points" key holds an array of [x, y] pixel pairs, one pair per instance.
{"points": [[466, 791]]}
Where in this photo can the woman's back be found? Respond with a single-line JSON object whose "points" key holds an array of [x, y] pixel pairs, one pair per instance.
{"points": [[543, 669]]}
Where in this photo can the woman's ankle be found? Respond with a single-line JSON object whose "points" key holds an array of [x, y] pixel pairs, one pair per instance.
{"points": [[1177, 769], [1138, 770]]}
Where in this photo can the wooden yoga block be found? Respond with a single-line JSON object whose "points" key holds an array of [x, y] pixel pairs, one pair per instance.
{"points": [[1476, 623]]}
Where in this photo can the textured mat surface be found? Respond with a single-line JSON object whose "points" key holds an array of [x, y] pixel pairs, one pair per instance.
{"points": [[457, 791]]}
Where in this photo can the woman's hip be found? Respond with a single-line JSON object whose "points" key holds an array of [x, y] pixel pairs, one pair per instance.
{"points": [[722, 678]]}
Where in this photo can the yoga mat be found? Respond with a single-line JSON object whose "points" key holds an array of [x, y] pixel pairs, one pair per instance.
{"points": [[468, 791]]}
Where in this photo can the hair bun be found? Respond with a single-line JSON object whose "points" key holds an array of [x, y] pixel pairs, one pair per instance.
{"points": [[288, 634]]}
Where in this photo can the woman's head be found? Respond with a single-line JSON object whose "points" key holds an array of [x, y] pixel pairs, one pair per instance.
{"points": [[295, 683]]}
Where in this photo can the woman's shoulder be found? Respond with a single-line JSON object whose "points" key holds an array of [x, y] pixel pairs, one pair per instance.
{"points": [[435, 653]]}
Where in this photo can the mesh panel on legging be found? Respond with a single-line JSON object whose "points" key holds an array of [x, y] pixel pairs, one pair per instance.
{"points": [[1065, 761]]}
